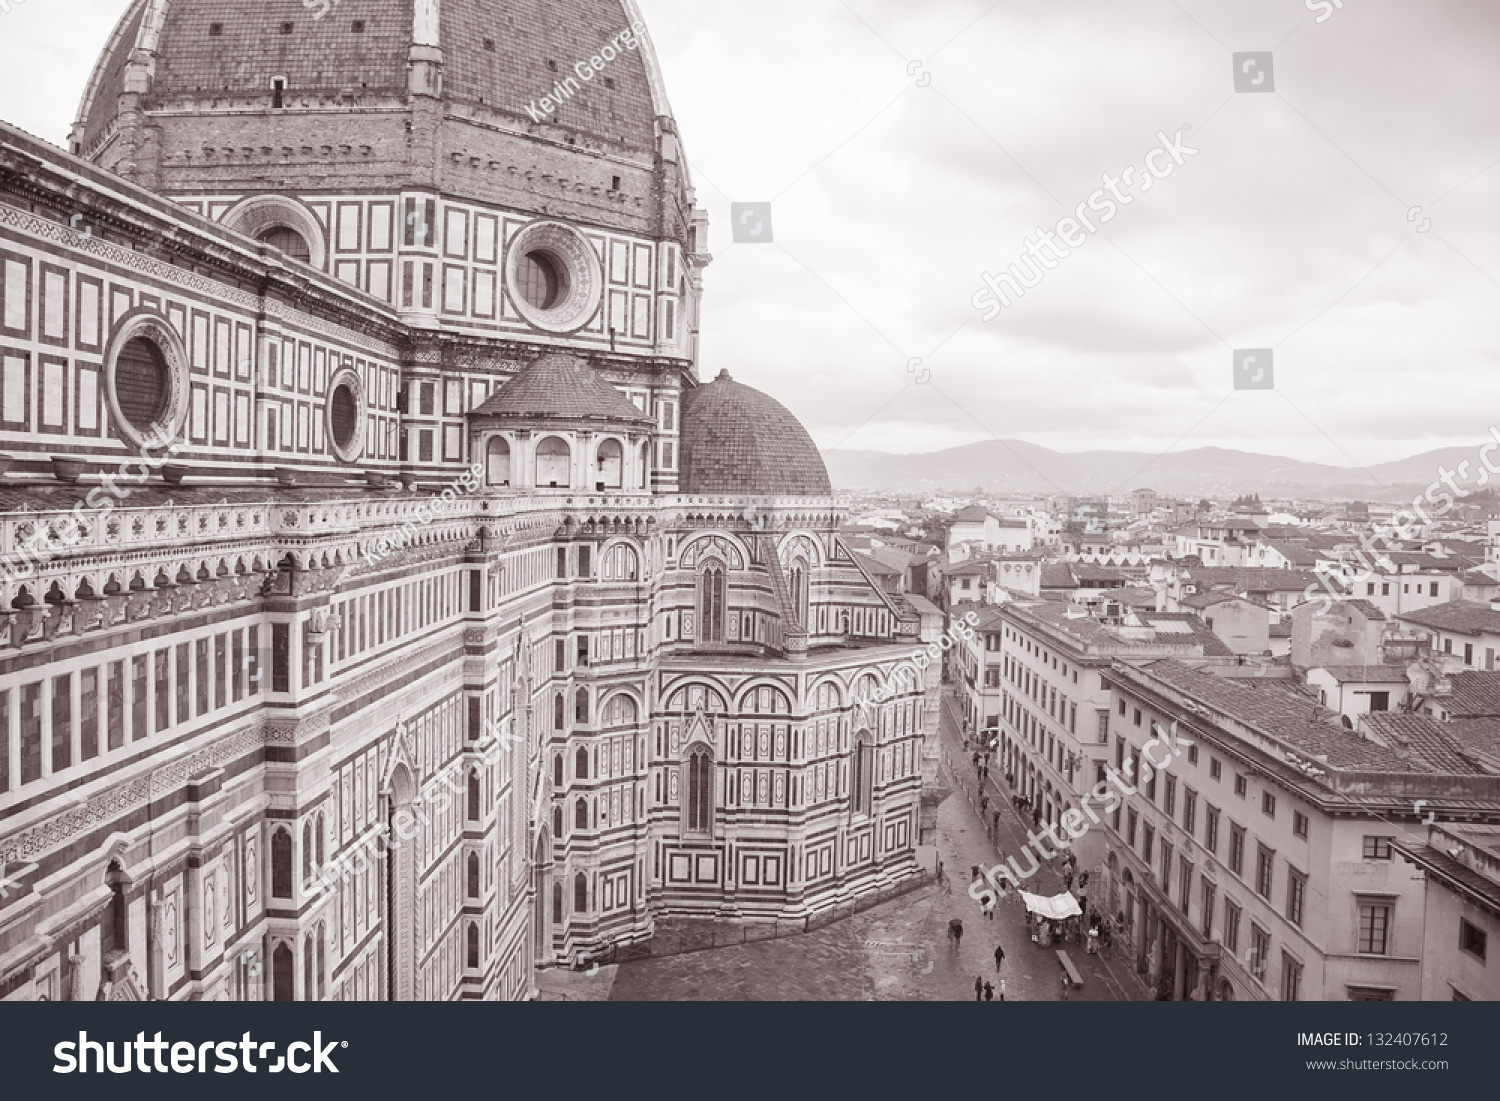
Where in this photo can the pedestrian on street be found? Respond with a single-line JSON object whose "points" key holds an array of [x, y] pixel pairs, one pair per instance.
{"points": [[984, 804], [979, 988], [956, 932], [1002, 988], [1067, 986], [997, 825], [989, 992], [973, 873], [987, 906], [999, 957]]}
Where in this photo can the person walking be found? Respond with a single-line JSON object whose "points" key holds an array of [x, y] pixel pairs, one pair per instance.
{"points": [[987, 905], [979, 988], [1067, 987], [956, 931], [989, 992], [1002, 988], [999, 958]]}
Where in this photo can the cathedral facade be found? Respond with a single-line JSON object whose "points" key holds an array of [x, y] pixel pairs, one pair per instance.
{"points": [[388, 608]]}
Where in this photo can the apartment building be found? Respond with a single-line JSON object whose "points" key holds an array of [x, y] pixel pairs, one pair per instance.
{"points": [[1051, 714], [1258, 864]]}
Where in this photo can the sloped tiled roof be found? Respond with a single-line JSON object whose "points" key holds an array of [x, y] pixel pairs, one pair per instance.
{"points": [[1452, 873], [561, 387], [1460, 616], [1253, 580], [1366, 674], [1302, 724], [1474, 695], [1422, 735]]}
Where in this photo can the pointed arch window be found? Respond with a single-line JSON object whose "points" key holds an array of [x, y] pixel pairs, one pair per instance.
{"points": [[862, 787], [581, 763], [557, 822], [473, 945], [558, 711], [799, 591], [474, 814], [473, 875], [557, 903], [581, 815], [281, 864], [711, 600], [700, 792], [581, 706], [580, 893]]}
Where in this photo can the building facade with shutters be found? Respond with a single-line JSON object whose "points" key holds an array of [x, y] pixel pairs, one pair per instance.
{"points": [[389, 608]]}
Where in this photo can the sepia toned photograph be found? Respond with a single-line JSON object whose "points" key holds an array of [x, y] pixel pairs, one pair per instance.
{"points": [[582, 501]]}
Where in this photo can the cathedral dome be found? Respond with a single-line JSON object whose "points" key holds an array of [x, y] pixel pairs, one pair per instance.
{"points": [[737, 440], [561, 387], [480, 99]]}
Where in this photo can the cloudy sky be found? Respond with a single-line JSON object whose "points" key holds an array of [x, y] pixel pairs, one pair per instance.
{"points": [[1293, 228]]}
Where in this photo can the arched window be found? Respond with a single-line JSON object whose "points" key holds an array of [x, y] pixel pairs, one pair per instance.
{"points": [[307, 850], [307, 968], [711, 604], [497, 462], [558, 708], [609, 472], [580, 894], [581, 764], [281, 864], [620, 563], [557, 822], [580, 815], [557, 771], [700, 806], [581, 706], [557, 906], [318, 833], [283, 968], [799, 591], [645, 466], [554, 464], [473, 875], [288, 240], [862, 789], [473, 938], [621, 711], [474, 814], [321, 970]]}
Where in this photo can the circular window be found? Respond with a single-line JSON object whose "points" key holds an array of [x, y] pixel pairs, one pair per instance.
{"points": [[345, 414], [142, 383], [554, 277], [288, 240], [343, 418], [543, 284], [146, 388]]}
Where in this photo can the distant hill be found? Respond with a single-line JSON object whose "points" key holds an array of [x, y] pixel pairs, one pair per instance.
{"points": [[1014, 466]]}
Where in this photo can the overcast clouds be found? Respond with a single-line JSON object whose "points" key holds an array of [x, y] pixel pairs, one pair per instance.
{"points": [[1288, 230]]}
